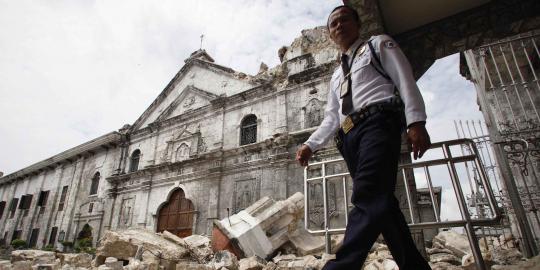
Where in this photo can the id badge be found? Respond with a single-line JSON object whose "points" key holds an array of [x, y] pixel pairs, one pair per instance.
{"points": [[344, 90]]}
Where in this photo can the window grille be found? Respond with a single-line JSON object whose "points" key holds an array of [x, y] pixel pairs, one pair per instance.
{"points": [[134, 164], [62, 198], [2, 207], [33, 238], [95, 184], [26, 201], [52, 238], [16, 235], [13, 207], [248, 130], [42, 199]]}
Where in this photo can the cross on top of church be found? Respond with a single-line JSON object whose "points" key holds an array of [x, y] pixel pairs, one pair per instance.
{"points": [[202, 36]]}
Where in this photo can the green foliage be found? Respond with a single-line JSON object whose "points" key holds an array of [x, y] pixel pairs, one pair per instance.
{"points": [[67, 243], [84, 245], [48, 248], [18, 244], [86, 232]]}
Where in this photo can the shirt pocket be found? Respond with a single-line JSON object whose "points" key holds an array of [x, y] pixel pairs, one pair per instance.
{"points": [[360, 70]]}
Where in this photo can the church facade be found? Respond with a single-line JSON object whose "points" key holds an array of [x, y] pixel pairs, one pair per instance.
{"points": [[213, 142]]}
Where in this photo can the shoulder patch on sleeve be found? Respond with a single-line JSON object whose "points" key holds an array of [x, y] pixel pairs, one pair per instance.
{"points": [[389, 44]]}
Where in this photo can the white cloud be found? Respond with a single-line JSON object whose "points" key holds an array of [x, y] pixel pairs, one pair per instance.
{"points": [[73, 70]]}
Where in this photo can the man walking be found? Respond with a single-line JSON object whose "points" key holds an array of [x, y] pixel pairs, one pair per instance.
{"points": [[368, 95]]}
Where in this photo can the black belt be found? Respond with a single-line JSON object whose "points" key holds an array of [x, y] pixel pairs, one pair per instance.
{"points": [[354, 118]]}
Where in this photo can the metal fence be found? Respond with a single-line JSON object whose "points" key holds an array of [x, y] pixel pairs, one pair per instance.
{"points": [[506, 76], [448, 155]]}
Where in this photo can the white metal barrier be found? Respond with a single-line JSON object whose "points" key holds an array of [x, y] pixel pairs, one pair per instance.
{"points": [[449, 160]]}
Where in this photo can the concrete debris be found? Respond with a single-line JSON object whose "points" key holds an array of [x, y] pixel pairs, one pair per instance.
{"points": [[198, 246], [382, 264], [293, 262], [505, 256], [224, 259], [77, 259], [444, 266], [188, 265], [113, 263], [265, 228], [252, 263], [34, 256], [456, 242], [445, 257], [531, 264], [22, 265], [260, 229], [124, 245], [5, 265]]}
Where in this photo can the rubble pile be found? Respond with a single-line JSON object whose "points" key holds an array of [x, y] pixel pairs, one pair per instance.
{"points": [[265, 236]]}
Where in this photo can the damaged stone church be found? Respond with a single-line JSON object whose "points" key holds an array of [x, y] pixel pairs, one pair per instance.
{"points": [[213, 142]]}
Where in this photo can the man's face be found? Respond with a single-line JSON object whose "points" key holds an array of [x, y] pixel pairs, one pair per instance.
{"points": [[343, 27]]}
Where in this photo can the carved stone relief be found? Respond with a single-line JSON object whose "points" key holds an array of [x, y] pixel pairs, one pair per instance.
{"points": [[314, 113], [182, 152], [126, 213], [316, 203], [246, 192]]}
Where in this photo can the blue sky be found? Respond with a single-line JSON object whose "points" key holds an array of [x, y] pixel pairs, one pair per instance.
{"points": [[71, 71]]}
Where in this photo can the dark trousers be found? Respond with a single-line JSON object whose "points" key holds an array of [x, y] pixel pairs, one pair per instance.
{"points": [[371, 151]]}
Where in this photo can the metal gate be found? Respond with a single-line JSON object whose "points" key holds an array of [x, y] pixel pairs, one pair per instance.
{"points": [[506, 77], [447, 155]]}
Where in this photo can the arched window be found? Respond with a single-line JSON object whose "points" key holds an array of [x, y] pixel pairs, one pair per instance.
{"points": [[182, 153], [248, 130], [95, 184], [134, 163]]}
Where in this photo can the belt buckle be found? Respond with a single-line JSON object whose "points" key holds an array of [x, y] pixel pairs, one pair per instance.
{"points": [[347, 124]]}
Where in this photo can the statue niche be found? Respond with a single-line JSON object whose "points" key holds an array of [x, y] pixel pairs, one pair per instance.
{"points": [[313, 113]]}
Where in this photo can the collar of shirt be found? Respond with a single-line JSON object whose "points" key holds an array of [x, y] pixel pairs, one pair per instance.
{"points": [[353, 47]]}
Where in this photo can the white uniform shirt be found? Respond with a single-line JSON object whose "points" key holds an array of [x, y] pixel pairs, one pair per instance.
{"points": [[368, 86]]}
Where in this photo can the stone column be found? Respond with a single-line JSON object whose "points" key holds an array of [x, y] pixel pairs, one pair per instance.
{"points": [[142, 203], [213, 204], [71, 204], [281, 113]]}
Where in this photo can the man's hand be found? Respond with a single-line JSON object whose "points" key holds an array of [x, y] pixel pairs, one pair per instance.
{"points": [[303, 154], [418, 137]]}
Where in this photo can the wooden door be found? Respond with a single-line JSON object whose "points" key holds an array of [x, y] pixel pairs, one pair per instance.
{"points": [[176, 215]]}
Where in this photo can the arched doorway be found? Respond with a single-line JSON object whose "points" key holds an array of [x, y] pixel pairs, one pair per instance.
{"points": [[176, 215]]}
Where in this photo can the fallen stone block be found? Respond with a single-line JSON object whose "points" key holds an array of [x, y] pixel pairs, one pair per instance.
{"points": [[135, 264], [126, 244], [34, 256], [225, 259], [306, 243], [444, 266], [468, 262], [113, 263], [305, 262], [259, 229], [270, 266], [530, 264], [77, 259], [252, 263], [5, 265], [503, 256], [382, 264], [198, 246], [445, 257], [456, 242], [54, 266], [22, 265], [188, 265]]}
